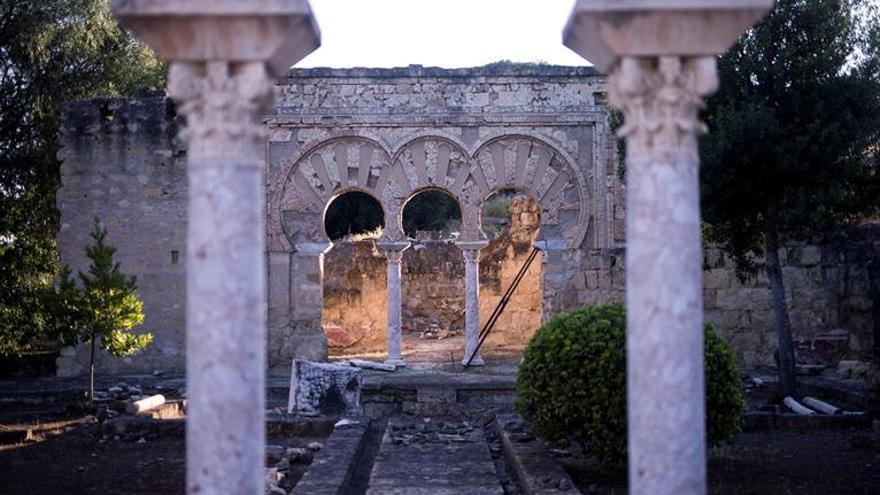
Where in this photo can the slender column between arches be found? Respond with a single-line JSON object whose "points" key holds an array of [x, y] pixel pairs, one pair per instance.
{"points": [[393, 252], [471, 252]]}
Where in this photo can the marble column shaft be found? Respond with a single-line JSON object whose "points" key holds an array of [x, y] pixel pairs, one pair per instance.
{"points": [[472, 305], [226, 267], [394, 255], [660, 98]]}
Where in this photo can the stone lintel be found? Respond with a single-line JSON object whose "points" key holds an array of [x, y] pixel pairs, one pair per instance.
{"points": [[393, 246], [472, 245], [312, 248], [603, 31], [278, 32]]}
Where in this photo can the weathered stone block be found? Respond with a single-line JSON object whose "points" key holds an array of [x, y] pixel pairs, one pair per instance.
{"points": [[324, 389]]}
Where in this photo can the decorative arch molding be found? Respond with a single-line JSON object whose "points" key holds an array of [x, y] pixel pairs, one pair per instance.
{"points": [[323, 172], [528, 162], [519, 160]]}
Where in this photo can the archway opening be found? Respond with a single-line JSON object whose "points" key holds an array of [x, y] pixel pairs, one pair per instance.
{"points": [[354, 215], [432, 277], [511, 221], [354, 310], [432, 214]]}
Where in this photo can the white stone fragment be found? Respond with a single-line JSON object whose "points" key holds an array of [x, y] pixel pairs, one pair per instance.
{"points": [[144, 405], [371, 365], [797, 407], [821, 406]]}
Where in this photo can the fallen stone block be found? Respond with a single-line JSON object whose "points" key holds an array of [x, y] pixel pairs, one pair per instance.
{"points": [[371, 365], [146, 404], [321, 389]]}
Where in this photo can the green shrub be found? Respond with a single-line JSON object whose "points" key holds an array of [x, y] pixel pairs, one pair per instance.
{"points": [[572, 383]]}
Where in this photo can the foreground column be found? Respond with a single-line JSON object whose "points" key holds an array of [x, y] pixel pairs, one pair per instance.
{"points": [[662, 62], [667, 440], [222, 54], [394, 254], [471, 252]]}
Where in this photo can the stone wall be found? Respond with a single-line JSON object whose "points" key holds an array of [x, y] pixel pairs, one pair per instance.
{"points": [[469, 132], [832, 287], [392, 133], [354, 311], [122, 163]]}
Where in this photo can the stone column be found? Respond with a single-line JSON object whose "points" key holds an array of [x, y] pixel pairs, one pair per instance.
{"points": [[471, 252], [662, 63], [394, 254], [305, 337], [224, 56]]}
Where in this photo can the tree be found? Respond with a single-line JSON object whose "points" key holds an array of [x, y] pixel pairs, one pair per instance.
{"points": [[793, 142], [51, 51], [103, 310]]}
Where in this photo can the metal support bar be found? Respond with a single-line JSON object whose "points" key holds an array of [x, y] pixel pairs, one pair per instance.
{"points": [[499, 309]]}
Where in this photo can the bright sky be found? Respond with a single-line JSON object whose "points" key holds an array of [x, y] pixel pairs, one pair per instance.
{"points": [[444, 33]]}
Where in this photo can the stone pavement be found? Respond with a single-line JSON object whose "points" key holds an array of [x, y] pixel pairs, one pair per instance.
{"points": [[431, 456]]}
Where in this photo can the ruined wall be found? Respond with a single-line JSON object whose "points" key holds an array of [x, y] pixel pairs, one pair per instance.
{"points": [[122, 163], [502, 125], [394, 132], [354, 314], [832, 287]]}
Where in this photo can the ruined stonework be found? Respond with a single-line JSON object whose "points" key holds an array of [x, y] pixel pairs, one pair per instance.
{"points": [[394, 132], [433, 282], [391, 133], [123, 163]]}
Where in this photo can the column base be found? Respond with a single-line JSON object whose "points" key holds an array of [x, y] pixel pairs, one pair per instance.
{"points": [[477, 361], [395, 362]]}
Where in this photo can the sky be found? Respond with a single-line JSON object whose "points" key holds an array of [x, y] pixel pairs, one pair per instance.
{"points": [[443, 33]]}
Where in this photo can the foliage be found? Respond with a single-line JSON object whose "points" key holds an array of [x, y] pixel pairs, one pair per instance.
{"points": [[510, 64], [51, 51], [430, 210], [572, 383], [794, 137], [793, 128], [104, 309], [497, 206]]}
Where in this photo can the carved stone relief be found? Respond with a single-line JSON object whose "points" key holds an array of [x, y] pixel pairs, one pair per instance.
{"points": [[355, 163]]}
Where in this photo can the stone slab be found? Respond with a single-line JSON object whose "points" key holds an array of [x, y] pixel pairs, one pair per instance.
{"points": [[536, 471], [334, 464], [429, 456]]}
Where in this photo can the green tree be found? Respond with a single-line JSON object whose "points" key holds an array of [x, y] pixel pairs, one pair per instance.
{"points": [[103, 310], [794, 133], [51, 51]]}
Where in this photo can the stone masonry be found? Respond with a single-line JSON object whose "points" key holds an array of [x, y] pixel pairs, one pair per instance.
{"points": [[391, 133], [433, 288]]}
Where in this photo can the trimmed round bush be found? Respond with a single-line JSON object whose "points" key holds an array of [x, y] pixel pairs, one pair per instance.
{"points": [[572, 383]]}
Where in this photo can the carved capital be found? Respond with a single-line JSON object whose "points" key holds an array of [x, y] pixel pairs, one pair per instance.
{"points": [[393, 257], [393, 251], [471, 250], [661, 99], [223, 104], [471, 255]]}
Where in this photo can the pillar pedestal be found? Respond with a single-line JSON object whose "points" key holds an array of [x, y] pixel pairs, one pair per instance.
{"points": [[393, 252], [224, 58], [471, 252]]}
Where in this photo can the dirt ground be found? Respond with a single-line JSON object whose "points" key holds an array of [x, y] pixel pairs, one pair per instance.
{"points": [[68, 456], [64, 454], [775, 462]]}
